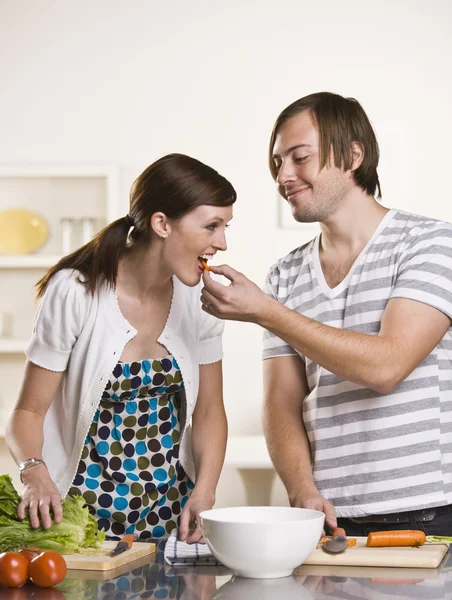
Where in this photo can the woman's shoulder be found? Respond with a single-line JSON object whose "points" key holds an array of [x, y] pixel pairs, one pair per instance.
{"points": [[68, 283]]}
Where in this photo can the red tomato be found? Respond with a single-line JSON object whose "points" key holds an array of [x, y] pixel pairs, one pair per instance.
{"points": [[29, 553], [13, 569], [47, 569]]}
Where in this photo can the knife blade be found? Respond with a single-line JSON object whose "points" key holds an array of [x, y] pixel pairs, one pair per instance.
{"points": [[124, 544]]}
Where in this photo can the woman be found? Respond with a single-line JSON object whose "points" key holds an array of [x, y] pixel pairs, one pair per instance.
{"points": [[124, 367]]}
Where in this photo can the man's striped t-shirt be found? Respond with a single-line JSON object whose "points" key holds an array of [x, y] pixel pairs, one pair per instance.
{"points": [[376, 453]]}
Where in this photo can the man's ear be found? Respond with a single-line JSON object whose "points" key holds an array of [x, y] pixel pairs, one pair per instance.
{"points": [[357, 155], [160, 225]]}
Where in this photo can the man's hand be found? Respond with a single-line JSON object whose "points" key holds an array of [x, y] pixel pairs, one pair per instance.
{"points": [[242, 300], [316, 502], [190, 514]]}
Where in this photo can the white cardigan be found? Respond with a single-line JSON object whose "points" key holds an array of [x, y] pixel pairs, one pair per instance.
{"points": [[84, 335]]}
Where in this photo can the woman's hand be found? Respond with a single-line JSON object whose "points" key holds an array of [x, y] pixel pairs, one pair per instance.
{"points": [[197, 502], [40, 495]]}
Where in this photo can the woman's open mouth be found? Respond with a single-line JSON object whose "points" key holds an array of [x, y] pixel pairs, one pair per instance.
{"points": [[202, 262]]}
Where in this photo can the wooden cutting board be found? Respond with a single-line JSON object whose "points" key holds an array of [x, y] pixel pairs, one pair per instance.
{"points": [[102, 561], [428, 556]]}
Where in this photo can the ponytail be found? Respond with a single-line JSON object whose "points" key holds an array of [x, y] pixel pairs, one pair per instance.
{"points": [[97, 260]]}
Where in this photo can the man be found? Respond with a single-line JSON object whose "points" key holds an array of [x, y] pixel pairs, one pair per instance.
{"points": [[358, 341]]}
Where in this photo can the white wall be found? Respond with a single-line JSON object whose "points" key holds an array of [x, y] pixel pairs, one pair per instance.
{"points": [[124, 82]]}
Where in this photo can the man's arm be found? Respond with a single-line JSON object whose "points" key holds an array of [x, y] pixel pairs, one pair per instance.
{"points": [[285, 388], [409, 332]]}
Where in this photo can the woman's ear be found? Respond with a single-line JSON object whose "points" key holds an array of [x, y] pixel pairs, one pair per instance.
{"points": [[357, 155], [160, 225]]}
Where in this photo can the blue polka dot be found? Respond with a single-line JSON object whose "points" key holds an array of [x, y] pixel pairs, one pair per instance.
{"points": [[141, 448], [102, 448], [131, 408], [173, 421], [162, 501], [145, 512], [126, 371], [184, 501], [146, 380], [129, 464], [117, 420], [116, 434], [86, 440], [146, 365], [130, 529], [114, 396], [132, 476], [123, 584], [122, 489], [160, 474], [103, 512], [96, 416], [167, 441], [158, 532], [153, 404], [175, 365], [153, 418], [94, 471], [92, 484], [161, 593], [120, 503]]}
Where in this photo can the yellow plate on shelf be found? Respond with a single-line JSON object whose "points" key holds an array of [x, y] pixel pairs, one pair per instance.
{"points": [[21, 231]]}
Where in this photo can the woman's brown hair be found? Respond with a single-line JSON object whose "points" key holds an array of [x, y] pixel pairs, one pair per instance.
{"points": [[175, 185], [340, 122]]}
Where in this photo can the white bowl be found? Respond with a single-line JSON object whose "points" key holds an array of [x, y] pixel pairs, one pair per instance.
{"points": [[262, 541]]}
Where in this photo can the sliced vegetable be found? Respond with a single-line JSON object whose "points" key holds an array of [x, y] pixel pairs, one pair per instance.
{"points": [[47, 569], [13, 569], [409, 537], [339, 531]]}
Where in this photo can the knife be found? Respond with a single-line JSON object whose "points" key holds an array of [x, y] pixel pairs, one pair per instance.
{"points": [[124, 544]]}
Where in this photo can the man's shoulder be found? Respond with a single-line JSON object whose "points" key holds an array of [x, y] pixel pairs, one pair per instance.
{"points": [[414, 225], [293, 260]]}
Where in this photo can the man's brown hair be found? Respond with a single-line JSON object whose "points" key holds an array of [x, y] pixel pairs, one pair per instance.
{"points": [[340, 122]]}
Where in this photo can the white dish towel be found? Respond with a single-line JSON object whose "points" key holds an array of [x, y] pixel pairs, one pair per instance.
{"points": [[180, 554]]}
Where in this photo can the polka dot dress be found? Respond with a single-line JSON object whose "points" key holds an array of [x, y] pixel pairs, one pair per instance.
{"points": [[129, 472]]}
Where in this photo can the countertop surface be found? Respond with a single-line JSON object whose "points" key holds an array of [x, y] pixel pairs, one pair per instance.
{"points": [[151, 578]]}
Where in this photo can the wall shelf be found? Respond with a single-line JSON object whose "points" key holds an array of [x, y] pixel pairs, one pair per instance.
{"points": [[28, 261], [12, 346]]}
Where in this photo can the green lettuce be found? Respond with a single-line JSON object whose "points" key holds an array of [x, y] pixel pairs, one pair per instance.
{"points": [[77, 531]]}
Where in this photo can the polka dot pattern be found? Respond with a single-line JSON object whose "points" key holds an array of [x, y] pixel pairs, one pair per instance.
{"points": [[129, 472]]}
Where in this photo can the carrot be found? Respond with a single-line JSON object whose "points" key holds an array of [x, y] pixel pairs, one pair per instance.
{"points": [[351, 542], [409, 537], [204, 264], [339, 531]]}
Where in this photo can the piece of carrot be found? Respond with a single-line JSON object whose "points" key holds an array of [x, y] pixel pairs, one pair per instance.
{"points": [[409, 537], [204, 264], [339, 531], [351, 542]]}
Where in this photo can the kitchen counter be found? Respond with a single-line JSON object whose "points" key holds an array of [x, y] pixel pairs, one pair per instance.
{"points": [[152, 579]]}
